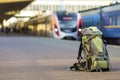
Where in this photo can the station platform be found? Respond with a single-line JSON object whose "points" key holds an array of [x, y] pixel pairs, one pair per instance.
{"points": [[10, 34], [13, 34], [38, 58]]}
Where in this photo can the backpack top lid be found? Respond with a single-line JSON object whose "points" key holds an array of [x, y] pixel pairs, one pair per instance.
{"points": [[91, 31]]}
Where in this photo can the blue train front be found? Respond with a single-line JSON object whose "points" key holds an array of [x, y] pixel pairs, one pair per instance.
{"points": [[107, 19]]}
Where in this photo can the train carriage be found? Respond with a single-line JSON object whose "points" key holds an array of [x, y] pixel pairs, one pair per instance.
{"points": [[91, 18], [111, 17], [58, 25], [107, 19]]}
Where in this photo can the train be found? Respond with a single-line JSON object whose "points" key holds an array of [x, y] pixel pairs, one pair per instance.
{"points": [[107, 19], [66, 25], [58, 25]]}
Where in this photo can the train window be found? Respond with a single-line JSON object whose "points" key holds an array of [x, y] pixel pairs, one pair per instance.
{"points": [[90, 20], [94, 22], [67, 17], [83, 23], [97, 22], [118, 20], [86, 23], [43, 7], [111, 20]]}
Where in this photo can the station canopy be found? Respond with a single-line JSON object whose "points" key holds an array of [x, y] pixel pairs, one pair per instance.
{"points": [[9, 8]]}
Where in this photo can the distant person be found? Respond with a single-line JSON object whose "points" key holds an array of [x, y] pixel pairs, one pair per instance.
{"points": [[7, 30]]}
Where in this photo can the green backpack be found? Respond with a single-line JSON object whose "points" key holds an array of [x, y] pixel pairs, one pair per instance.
{"points": [[94, 56]]}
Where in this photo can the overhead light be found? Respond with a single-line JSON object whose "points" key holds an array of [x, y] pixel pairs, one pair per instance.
{"points": [[11, 12]]}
